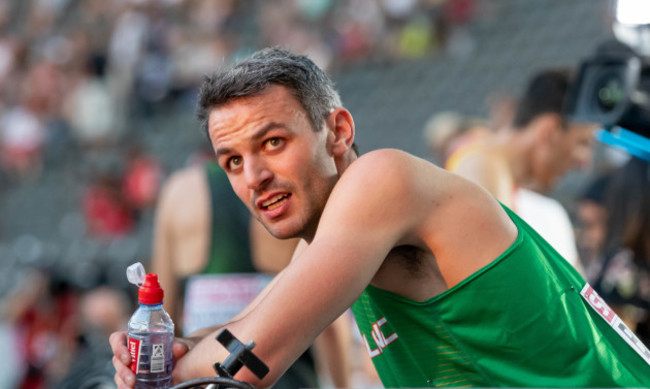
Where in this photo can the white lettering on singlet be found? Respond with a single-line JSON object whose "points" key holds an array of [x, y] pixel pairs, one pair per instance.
{"points": [[599, 305], [380, 340]]}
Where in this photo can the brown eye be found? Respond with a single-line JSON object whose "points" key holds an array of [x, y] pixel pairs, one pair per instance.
{"points": [[273, 143], [234, 162]]}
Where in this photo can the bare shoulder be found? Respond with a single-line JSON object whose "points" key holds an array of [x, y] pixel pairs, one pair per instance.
{"points": [[384, 158], [184, 195], [399, 199], [387, 186], [400, 173], [184, 181], [388, 167]]}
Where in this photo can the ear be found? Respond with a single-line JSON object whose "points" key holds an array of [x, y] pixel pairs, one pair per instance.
{"points": [[340, 136], [547, 128]]}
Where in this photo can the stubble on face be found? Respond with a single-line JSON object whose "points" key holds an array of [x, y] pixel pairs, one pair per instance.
{"points": [[303, 169]]}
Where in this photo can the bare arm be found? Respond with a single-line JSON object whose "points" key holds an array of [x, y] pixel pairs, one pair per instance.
{"points": [[319, 285], [384, 200], [332, 346], [270, 254]]}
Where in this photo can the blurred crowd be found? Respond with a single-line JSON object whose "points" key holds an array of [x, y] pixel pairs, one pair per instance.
{"points": [[73, 72]]}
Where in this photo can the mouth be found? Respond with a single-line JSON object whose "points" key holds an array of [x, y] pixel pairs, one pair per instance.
{"points": [[275, 202]]}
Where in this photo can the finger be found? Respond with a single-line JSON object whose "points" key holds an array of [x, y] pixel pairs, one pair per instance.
{"points": [[123, 374], [120, 367], [124, 384], [117, 364], [179, 349], [119, 382], [117, 341], [121, 360]]}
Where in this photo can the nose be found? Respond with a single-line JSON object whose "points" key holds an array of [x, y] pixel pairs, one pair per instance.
{"points": [[257, 174]]}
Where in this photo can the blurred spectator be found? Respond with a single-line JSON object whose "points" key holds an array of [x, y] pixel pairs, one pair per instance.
{"points": [[416, 38], [7, 57], [125, 50], [11, 363], [88, 106], [519, 163], [141, 181], [298, 26], [43, 87], [103, 310], [95, 18], [106, 212], [21, 140], [44, 311], [624, 280]]}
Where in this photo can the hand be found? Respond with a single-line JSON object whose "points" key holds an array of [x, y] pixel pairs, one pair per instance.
{"points": [[124, 376]]}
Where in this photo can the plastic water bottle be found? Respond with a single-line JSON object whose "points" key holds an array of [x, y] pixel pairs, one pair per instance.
{"points": [[150, 333]]}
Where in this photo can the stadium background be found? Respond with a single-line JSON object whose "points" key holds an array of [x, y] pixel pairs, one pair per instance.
{"points": [[396, 63]]}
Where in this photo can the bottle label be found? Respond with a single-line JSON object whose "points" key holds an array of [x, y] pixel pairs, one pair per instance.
{"points": [[134, 349], [158, 358]]}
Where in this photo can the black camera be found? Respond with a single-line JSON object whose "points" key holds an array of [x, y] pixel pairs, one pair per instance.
{"points": [[612, 89]]}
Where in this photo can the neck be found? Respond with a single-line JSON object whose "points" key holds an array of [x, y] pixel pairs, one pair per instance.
{"points": [[517, 149], [344, 161]]}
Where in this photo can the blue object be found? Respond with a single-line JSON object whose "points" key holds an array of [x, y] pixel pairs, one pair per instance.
{"points": [[626, 140]]}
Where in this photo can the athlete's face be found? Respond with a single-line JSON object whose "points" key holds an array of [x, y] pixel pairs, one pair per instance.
{"points": [[276, 163], [565, 150]]}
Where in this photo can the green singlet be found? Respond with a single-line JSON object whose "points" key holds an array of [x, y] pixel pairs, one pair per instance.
{"points": [[527, 319]]}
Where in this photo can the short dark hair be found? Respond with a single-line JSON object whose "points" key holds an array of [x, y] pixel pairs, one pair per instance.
{"points": [[545, 93], [271, 66]]}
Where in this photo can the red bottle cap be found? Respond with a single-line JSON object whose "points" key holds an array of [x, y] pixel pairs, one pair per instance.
{"points": [[150, 292]]}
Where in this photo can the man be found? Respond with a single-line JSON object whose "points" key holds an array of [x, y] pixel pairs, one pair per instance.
{"points": [[212, 259], [520, 162], [449, 287]]}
